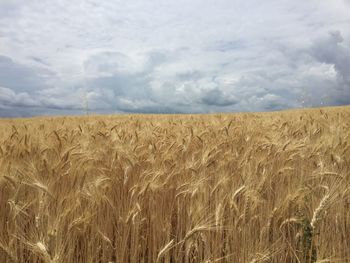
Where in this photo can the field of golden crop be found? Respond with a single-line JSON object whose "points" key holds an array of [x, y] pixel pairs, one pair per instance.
{"points": [[259, 187]]}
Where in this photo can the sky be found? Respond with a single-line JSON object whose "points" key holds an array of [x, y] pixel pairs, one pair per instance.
{"points": [[60, 57]]}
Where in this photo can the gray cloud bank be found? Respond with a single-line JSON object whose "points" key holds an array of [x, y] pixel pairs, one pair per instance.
{"points": [[172, 56]]}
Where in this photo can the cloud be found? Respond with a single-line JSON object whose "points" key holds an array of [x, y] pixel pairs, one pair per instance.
{"points": [[218, 98], [21, 77], [172, 56], [331, 51], [106, 64], [25, 90], [22, 99]]}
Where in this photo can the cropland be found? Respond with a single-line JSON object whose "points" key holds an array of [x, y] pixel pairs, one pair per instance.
{"points": [[244, 187]]}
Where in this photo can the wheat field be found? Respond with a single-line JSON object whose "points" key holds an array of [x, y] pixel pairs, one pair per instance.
{"points": [[249, 187]]}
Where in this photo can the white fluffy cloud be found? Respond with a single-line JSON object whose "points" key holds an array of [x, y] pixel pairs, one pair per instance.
{"points": [[172, 56]]}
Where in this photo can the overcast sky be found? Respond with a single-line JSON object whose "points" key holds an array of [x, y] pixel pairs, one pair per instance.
{"points": [[183, 56]]}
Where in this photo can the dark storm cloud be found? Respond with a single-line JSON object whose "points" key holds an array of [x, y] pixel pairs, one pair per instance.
{"points": [[19, 77], [218, 98], [329, 50], [332, 51]]}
